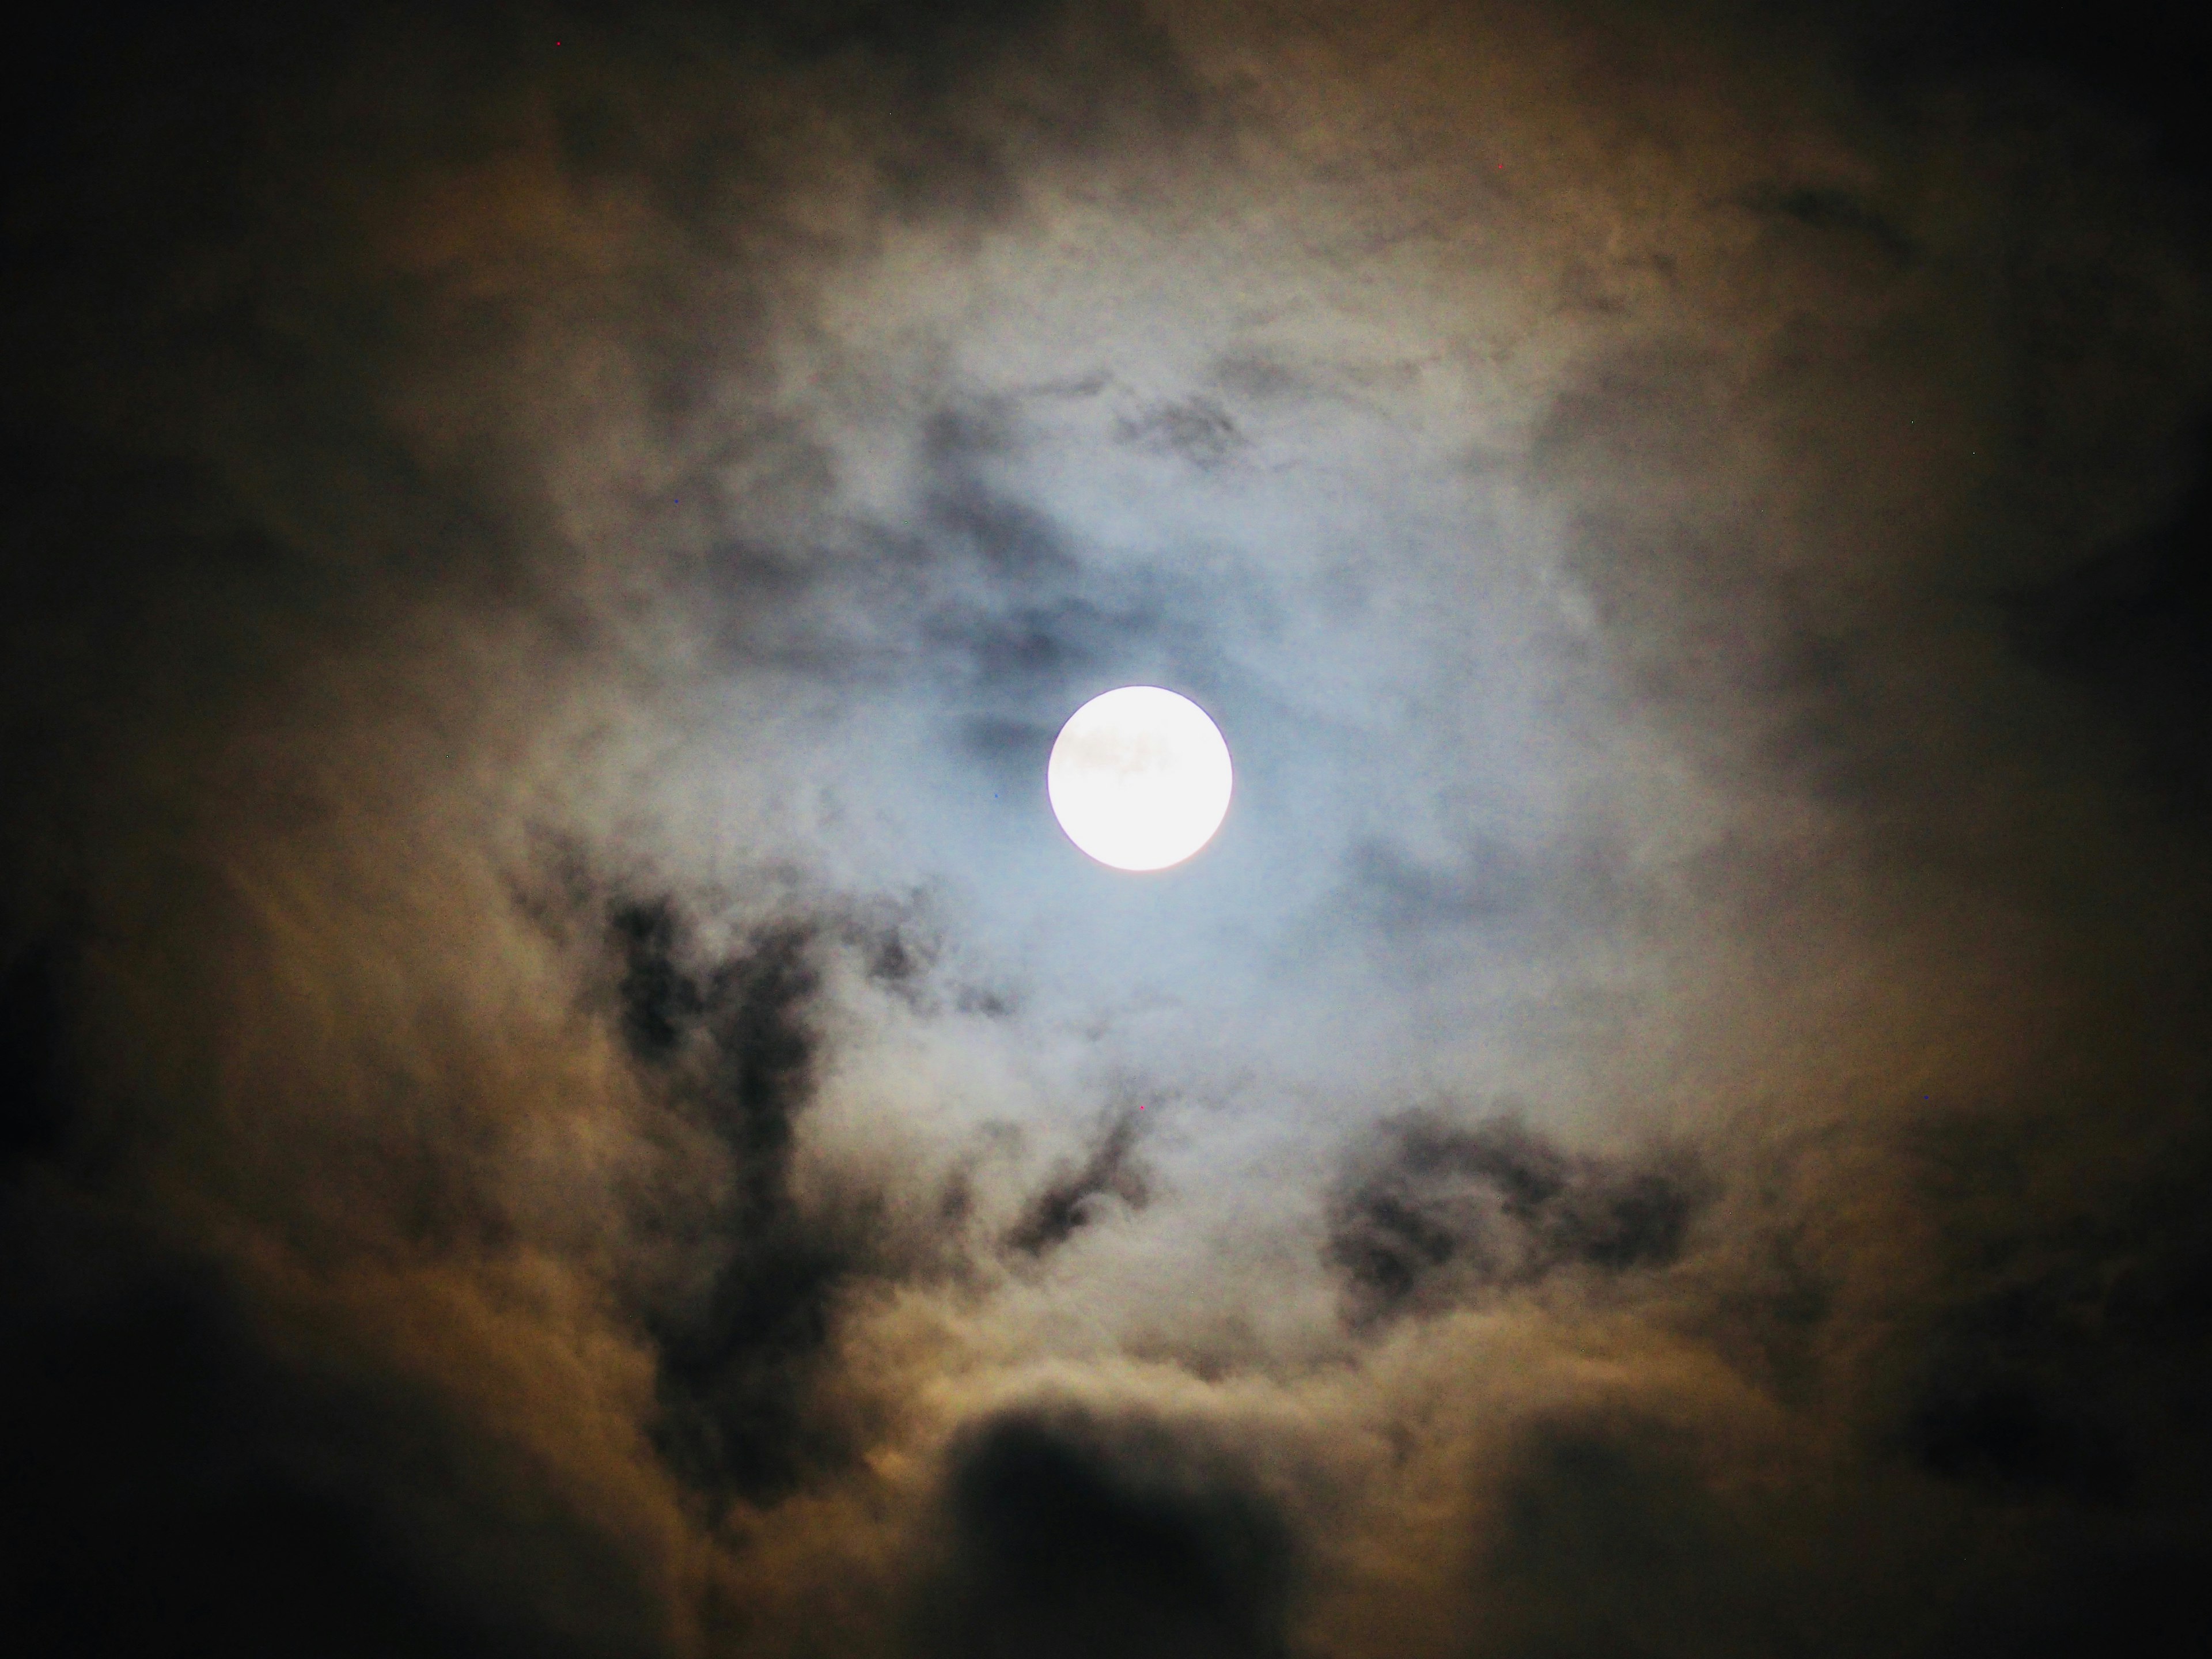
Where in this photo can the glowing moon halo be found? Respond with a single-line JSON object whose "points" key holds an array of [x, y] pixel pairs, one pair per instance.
{"points": [[1139, 778]]}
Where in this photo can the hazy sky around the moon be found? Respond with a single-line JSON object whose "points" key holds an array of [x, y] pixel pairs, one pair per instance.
{"points": [[565, 1095]]}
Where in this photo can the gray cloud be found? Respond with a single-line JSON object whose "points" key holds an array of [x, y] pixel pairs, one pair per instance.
{"points": [[1445, 1213], [1112, 1171], [560, 1091], [1074, 1534]]}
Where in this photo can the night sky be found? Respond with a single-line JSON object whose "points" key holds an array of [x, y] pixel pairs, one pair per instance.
{"points": [[561, 1094]]}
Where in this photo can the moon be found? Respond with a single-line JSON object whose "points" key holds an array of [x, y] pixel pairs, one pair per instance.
{"points": [[1139, 778]]}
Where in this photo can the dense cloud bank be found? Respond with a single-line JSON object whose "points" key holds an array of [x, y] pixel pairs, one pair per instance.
{"points": [[560, 1092]]}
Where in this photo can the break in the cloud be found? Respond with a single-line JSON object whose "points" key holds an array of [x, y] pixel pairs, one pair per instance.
{"points": [[564, 1094]]}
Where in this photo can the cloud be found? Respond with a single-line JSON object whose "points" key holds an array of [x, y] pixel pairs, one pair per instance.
{"points": [[1110, 1171], [739, 1334], [33, 1084], [563, 1093], [1072, 1534], [1444, 1212], [200, 1486]]}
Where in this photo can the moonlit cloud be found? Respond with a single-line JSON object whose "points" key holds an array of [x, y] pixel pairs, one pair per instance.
{"points": [[565, 1094]]}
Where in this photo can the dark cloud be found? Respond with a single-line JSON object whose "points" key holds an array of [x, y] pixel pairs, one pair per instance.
{"points": [[2133, 625], [188, 1488], [34, 1083], [1075, 1535], [1440, 1214], [1197, 429], [2073, 1305], [1824, 208], [746, 1330], [1033, 623], [1611, 1539], [1057, 1213]]}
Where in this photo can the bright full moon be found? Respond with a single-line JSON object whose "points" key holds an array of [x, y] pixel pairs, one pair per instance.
{"points": [[1139, 778]]}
